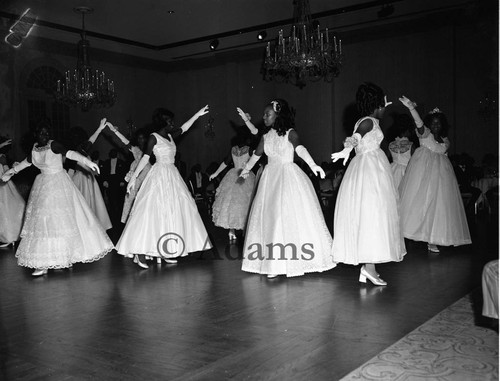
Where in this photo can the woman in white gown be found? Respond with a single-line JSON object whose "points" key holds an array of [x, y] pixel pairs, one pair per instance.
{"points": [[85, 181], [432, 209], [286, 232], [59, 227], [366, 222], [12, 206], [232, 198], [164, 221], [401, 150]]}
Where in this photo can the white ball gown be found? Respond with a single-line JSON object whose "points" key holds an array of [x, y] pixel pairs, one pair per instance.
{"points": [[286, 232], [366, 224], [232, 198], [60, 229], [432, 209], [130, 197], [86, 183], [12, 206], [400, 150], [163, 205]]}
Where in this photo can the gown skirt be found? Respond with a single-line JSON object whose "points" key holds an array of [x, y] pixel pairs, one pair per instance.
{"points": [[286, 232], [366, 219], [164, 213], [12, 211], [432, 209], [232, 200], [60, 229]]}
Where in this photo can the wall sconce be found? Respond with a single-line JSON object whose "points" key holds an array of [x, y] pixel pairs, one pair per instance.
{"points": [[214, 44]]}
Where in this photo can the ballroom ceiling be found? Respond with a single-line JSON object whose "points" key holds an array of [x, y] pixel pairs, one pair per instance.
{"points": [[169, 30]]}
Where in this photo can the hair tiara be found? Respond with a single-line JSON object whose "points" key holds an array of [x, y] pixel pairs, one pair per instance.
{"points": [[435, 111]]}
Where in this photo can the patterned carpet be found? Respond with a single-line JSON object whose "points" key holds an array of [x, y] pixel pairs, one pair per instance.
{"points": [[447, 347]]}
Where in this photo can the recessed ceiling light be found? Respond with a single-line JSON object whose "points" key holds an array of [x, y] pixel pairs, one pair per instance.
{"points": [[170, 12]]}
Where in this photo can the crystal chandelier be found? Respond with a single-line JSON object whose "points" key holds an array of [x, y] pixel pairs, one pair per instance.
{"points": [[84, 86], [307, 54]]}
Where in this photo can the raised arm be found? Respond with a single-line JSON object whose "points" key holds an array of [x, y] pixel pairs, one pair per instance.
{"points": [[97, 132], [144, 161], [302, 152], [6, 143], [246, 118], [187, 125], [414, 113]]}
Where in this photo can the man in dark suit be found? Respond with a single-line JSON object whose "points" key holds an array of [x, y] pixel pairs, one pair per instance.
{"points": [[113, 180], [198, 182]]}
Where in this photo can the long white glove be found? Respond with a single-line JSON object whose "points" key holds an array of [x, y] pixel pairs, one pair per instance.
{"points": [[249, 165], [304, 155], [6, 143], [73, 155], [140, 167], [136, 151], [101, 127], [187, 125], [16, 168], [349, 144], [414, 113], [118, 134], [246, 118], [222, 166]]}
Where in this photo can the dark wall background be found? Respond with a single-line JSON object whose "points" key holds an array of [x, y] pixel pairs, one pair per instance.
{"points": [[446, 61]]}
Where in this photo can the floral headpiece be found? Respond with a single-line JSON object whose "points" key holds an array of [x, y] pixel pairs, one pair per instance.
{"points": [[435, 111], [276, 106]]}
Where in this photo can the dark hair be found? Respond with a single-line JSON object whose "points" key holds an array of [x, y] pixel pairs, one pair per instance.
{"points": [[138, 132], [369, 97], [285, 116], [161, 116], [442, 119], [43, 123]]}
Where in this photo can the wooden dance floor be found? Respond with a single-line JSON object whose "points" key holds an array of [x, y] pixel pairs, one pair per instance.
{"points": [[205, 319]]}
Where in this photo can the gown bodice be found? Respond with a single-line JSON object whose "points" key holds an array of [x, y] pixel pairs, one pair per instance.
{"points": [[372, 139], [428, 141], [278, 149], [400, 150], [240, 156], [164, 149], [46, 160]]}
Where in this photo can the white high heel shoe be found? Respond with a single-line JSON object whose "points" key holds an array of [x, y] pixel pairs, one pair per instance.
{"points": [[363, 275], [39, 272], [232, 236], [141, 264], [432, 248]]}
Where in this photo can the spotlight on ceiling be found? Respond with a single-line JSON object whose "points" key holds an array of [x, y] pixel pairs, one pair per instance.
{"points": [[385, 11], [214, 44], [262, 35]]}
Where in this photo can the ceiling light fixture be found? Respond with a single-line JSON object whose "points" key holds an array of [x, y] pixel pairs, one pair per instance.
{"points": [[307, 54], [84, 86], [261, 35]]}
